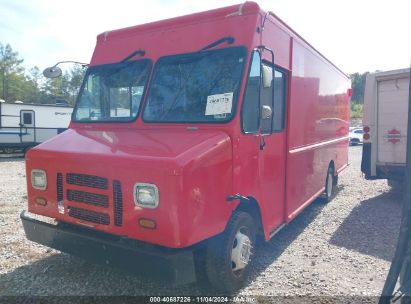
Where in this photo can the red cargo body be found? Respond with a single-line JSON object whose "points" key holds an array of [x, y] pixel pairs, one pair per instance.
{"points": [[199, 168]]}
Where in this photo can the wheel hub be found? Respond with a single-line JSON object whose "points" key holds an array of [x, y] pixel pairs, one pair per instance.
{"points": [[241, 252]]}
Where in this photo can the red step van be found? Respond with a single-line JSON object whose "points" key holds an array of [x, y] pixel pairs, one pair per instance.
{"points": [[190, 138]]}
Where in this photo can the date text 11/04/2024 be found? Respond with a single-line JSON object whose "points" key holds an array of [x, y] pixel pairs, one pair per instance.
{"points": [[203, 299]]}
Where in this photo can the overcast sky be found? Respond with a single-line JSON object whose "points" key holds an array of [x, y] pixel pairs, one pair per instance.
{"points": [[357, 35]]}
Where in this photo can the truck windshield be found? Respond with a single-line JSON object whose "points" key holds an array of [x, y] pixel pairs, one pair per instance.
{"points": [[198, 87], [112, 92]]}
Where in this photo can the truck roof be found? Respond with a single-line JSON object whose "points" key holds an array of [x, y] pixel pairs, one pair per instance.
{"points": [[37, 104], [238, 9], [246, 8], [391, 73]]}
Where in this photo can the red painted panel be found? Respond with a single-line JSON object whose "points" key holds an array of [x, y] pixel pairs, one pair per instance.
{"points": [[193, 172], [318, 122]]}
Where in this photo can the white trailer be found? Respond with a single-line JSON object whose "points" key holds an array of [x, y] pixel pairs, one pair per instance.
{"points": [[25, 125], [385, 118]]}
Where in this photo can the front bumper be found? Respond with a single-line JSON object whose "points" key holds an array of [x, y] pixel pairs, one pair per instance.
{"points": [[175, 265]]}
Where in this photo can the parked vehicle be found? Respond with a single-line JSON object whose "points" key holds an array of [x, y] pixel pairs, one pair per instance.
{"points": [[385, 125], [23, 125], [241, 125], [355, 135]]}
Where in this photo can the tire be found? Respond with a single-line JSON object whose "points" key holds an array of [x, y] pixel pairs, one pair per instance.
{"points": [[354, 142], [26, 149], [331, 182], [8, 150], [395, 183], [228, 256]]}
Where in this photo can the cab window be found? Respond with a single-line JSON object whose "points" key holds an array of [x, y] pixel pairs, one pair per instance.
{"points": [[250, 111]]}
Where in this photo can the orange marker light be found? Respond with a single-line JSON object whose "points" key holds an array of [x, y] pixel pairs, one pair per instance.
{"points": [[147, 223], [41, 201]]}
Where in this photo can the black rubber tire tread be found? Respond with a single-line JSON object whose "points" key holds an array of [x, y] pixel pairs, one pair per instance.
{"points": [[218, 254], [354, 142], [8, 150], [334, 185], [26, 149], [201, 274]]}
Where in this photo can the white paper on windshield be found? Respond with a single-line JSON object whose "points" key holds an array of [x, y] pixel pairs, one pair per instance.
{"points": [[219, 104]]}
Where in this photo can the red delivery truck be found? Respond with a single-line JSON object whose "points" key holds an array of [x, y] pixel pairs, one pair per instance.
{"points": [[190, 138]]}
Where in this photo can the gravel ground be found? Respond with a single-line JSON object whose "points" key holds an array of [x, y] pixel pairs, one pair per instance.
{"points": [[343, 248]]}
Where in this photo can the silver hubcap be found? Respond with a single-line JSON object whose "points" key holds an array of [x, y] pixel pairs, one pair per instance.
{"points": [[241, 252], [329, 184]]}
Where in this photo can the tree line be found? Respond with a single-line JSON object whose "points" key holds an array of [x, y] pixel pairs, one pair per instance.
{"points": [[30, 86]]}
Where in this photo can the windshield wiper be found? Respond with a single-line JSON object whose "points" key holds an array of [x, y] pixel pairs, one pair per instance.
{"points": [[227, 39], [118, 69], [138, 52]]}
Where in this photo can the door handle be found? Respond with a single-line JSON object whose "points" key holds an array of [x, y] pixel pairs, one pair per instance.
{"points": [[262, 142]]}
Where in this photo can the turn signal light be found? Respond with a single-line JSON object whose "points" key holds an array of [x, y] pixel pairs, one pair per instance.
{"points": [[147, 223], [41, 201]]}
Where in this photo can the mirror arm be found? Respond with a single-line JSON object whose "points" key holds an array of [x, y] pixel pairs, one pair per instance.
{"points": [[70, 61], [54, 71]]}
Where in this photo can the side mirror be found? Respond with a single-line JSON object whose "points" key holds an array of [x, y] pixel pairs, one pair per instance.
{"points": [[52, 72], [266, 112]]}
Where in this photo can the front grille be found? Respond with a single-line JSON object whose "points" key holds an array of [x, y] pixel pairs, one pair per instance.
{"points": [[87, 180], [87, 198], [89, 216], [117, 203], [59, 187]]}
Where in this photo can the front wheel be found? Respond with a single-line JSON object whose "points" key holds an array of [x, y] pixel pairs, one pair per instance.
{"points": [[228, 256]]}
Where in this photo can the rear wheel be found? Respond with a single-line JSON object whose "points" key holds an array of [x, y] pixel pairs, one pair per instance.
{"points": [[354, 141], [8, 150], [228, 256], [331, 182]]}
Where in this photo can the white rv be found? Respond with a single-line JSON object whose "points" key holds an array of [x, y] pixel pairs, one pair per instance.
{"points": [[25, 125], [385, 124]]}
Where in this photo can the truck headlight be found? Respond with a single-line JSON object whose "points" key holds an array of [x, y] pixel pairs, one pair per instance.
{"points": [[39, 179], [146, 195]]}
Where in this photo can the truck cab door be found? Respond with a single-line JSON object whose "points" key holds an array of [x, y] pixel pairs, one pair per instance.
{"points": [[262, 146], [27, 126], [272, 152]]}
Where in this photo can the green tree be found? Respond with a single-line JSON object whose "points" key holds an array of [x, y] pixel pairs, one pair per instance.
{"points": [[358, 85], [76, 79], [33, 87], [11, 73]]}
